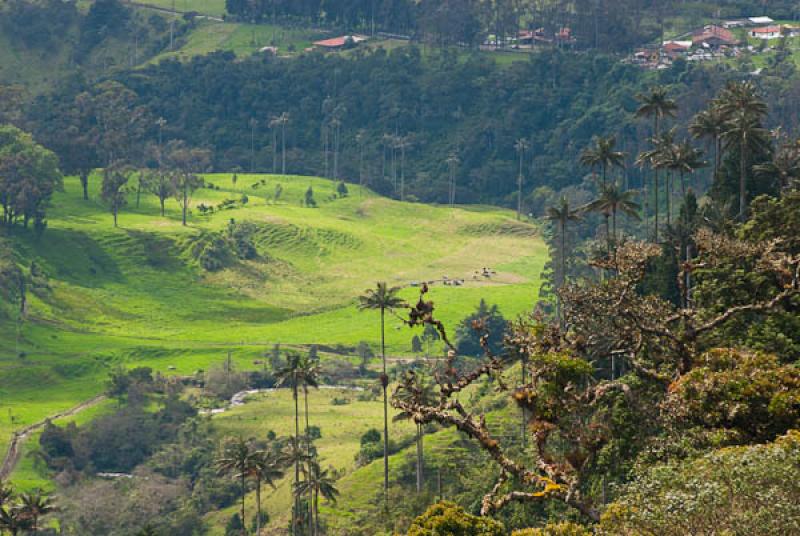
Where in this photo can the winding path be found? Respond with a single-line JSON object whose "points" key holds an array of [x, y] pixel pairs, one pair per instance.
{"points": [[15, 447]]}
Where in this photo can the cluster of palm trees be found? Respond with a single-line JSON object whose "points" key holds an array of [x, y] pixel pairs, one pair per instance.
{"points": [[301, 373], [731, 125], [20, 514], [244, 460]]}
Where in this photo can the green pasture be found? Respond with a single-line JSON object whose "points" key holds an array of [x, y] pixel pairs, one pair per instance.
{"points": [[131, 296]]}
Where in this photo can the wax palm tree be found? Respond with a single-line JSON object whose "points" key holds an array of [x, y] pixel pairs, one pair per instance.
{"points": [[283, 120], [658, 157], [417, 390], [520, 146], [688, 159], [709, 124], [147, 530], [236, 461], [295, 453], [289, 375], [613, 201], [659, 106], [602, 155], [743, 109], [783, 170], [265, 467], [383, 298], [13, 519], [308, 375], [744, 132], [35, 505], [561, 216], [6, 493], [317, 482]]}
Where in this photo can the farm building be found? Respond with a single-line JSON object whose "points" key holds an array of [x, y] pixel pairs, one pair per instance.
{"points": [[339, 43], [713, 36], [766, 32]]}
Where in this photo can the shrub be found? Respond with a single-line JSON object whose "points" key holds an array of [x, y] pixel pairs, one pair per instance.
{"points": [[753, 490], [564, 528], [450, 519]]}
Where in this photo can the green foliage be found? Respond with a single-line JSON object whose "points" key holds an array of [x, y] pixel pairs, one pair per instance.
{"points": [[749, 490], [447, 518], [28, 177], [486, 319], [308, 199], [749, 396], [564, 528]]}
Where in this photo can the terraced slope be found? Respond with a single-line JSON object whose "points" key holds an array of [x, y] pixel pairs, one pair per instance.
{"points": [[132, 295]]}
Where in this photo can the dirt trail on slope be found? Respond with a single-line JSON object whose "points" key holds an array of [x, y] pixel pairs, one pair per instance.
{"points": [[15, 448]]}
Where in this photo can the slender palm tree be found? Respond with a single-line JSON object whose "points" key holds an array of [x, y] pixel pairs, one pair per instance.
{"points": [[744, 132], [658, 157], [613, 201], [295, 453], [274, 126], [659, 106], [520, 146], [709, 124], [688, 159], [783, 170], [283, 120], [418, 391], [13, 519], [561, 216], [603, 155], [317, 482], [35, 505], [265, 467], [743, 109], [383, 298], [308, 375], [147, 530], [452, 163], [289, 375], [236, 460], [6, 493], [361, 138]]}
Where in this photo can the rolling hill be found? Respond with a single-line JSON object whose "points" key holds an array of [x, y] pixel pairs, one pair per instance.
{"points": [[133, 295]]}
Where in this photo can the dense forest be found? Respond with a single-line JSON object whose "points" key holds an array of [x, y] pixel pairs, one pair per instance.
{"points": [[392, 117], [651, 386], [610, 25]]}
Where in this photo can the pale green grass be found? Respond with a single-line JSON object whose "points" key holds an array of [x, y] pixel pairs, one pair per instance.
{"points": [[126, 296], [214, 8], [241, 39], [341, 428]]}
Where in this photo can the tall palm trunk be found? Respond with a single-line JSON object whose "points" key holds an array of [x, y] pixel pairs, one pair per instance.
{"points": [[244, 493], [85, 184], [258, 505], [668, 196], [185, 200], [283, 148], [742, 178], [655, 180], [385, 384], [563, 276], [296, 509], [308, 453], [419, 458], [519, 186]]}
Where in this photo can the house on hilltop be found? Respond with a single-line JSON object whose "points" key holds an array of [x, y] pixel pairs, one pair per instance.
{"points": [[339, 43], [766, 32], [713, 36]]}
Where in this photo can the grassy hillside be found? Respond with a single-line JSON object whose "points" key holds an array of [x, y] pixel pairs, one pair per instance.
{"points": [[130, 295]]}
